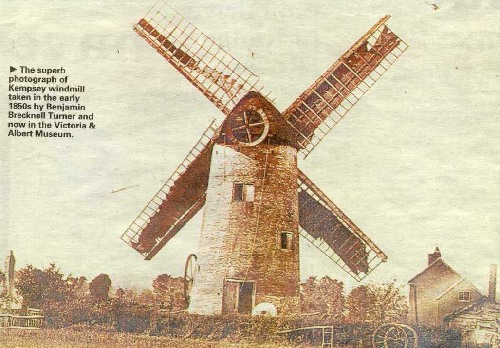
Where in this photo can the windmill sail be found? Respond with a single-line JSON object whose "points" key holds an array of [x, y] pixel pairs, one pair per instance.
{"points": [[179, 199], [217, 74], [324, 225], [332, 95]]}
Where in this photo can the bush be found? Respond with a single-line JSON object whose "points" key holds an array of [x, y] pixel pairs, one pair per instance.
{"points": [[65, 313], [433, 337], [132, 318], [106, 315], [217, 327]]}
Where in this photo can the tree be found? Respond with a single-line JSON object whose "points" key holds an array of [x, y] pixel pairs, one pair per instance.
{"points": [[99, 288], [147, 298], [324, 296], [120, 293], [378, 303], [169, 292], [42, 287], [358, 304]]}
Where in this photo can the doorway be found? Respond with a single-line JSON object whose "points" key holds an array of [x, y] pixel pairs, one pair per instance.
{"points": [[238, 297]]}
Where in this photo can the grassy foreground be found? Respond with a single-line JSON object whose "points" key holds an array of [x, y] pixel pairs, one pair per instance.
{"points": [[94, 339]]}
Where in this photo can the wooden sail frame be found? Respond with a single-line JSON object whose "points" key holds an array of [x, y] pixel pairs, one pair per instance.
{"points": [[327, 228], [322, 105], [176, 198], [210, 68]]}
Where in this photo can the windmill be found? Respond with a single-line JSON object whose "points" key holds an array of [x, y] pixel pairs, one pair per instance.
{"points": [[243, 172]]}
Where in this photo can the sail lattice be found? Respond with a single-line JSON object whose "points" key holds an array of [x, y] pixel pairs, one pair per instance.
{"points": [[321, 106], [211, 69], [325, 226], [178, 200]]}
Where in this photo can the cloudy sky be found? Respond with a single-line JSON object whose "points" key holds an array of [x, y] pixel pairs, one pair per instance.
{"points": [[415, 164]]}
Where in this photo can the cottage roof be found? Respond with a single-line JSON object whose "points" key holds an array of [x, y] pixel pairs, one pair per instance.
{"points": [[437, 262]]}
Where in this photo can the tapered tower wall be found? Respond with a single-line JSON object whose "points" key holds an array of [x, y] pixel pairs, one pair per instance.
{"points": [[241, 241]]}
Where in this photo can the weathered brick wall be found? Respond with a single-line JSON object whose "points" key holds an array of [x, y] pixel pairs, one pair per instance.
{"points": [[240, 240]]}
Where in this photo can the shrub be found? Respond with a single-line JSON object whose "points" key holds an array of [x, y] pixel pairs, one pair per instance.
{"points": [[434, 337]]}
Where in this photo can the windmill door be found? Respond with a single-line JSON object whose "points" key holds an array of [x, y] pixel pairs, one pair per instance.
{"points": [[239, 297]]}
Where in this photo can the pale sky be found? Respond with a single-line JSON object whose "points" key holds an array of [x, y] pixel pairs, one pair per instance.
{"points": [[415, 164]]}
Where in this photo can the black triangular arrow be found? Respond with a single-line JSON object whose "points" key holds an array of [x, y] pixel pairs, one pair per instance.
{"points": [[12, 69]]}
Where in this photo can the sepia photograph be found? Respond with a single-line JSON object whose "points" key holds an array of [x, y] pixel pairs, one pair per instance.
{"points": [[249, 174]]}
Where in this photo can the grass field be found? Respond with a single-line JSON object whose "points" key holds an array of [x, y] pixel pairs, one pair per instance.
{"points": [[94, 339]]}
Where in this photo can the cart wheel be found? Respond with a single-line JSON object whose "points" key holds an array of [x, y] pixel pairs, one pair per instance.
{"points": [[189, 273], [411, 334], [394, 336]]}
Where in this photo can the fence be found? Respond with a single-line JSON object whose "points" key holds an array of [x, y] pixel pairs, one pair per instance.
{"points": [[13, 321]]}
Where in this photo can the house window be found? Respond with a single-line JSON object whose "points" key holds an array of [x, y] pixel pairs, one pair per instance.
{"points": [[464, 296], [286, 240], [243, 192]]}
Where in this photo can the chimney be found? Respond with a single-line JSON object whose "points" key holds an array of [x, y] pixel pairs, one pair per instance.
{"points": [[492, 286], [434, 256]]}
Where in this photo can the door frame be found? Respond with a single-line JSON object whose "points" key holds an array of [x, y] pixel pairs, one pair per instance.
{"points": [[236, 305]]}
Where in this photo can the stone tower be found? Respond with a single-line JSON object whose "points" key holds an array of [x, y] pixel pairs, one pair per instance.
{"points": [[11, 300], [10, 267], [248, 250]]}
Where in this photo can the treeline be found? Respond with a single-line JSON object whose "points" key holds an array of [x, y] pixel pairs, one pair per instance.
{"points": [[373, 303], [69, 300]]}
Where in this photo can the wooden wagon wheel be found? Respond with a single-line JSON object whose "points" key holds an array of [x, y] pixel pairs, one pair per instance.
{"points": [[189, 271], [411, 334], [249, 127], [394, 336]]}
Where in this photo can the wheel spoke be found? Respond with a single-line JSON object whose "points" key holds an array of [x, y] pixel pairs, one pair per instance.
{"points": [[260, 123], [239, 128], [249, 134], [245, 118]]}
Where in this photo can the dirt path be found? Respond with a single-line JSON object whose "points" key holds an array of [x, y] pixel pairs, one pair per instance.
{"points": [[96, 339]]}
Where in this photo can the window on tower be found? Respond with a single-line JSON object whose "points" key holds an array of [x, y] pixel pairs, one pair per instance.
{"points": [[286, 240], [243, 192], [238, 192]]}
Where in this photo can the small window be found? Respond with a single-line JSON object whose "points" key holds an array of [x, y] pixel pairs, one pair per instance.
{"points": [[464, 296], [286, 240], [243, 192], [238, 192]]}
